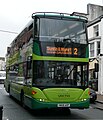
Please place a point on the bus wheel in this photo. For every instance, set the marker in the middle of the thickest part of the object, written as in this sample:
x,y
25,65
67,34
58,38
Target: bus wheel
x,y
22,99
8,89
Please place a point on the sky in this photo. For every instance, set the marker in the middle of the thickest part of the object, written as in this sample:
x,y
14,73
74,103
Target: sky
x,y
15,14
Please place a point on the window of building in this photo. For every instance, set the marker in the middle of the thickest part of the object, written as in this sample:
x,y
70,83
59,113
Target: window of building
x,y
98,47
92,49
96,31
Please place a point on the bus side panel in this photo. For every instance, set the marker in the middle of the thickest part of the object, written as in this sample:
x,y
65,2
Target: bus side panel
x,y
15,90
28,101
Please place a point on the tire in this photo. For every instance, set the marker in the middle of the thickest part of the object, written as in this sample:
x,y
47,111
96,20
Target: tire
x,y
22,99
8,89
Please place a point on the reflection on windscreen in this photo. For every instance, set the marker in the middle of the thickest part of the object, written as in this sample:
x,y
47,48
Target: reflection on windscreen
x,y
51,73
61,30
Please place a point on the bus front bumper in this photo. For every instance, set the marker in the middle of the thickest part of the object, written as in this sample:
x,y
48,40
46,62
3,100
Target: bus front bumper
x,y
35,104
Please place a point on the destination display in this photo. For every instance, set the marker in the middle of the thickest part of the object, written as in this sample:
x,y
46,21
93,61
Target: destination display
x,y
62,49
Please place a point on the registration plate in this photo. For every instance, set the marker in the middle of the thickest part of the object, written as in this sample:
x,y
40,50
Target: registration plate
x,y
63,105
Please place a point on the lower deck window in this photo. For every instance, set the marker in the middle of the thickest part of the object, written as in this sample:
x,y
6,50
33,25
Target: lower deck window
x,y
56,73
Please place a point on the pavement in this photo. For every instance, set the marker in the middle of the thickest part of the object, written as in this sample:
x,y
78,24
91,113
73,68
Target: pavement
x,y
99,98
99,102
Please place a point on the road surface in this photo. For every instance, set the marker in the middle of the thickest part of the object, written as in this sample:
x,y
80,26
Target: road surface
x,y
12,110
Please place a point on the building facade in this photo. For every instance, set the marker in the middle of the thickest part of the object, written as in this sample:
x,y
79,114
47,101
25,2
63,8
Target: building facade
x,y
95,36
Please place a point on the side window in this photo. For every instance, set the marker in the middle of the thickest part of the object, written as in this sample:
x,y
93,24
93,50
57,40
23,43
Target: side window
x,y
98,47
20,76
92,49
12,72
96,31
29,70
20,70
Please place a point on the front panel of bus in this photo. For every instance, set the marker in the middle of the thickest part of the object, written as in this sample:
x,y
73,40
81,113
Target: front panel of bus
x,y
60,61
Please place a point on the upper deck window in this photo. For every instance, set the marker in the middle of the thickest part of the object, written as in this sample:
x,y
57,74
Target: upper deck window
x,y
60,30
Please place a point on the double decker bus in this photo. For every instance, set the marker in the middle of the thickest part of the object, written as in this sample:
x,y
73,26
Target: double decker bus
x,y
50,61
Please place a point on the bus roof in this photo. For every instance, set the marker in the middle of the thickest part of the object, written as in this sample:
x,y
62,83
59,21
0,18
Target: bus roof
x,y
74,15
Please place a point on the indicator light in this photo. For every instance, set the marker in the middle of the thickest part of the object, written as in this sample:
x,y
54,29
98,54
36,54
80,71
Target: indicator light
x,y
34,92
89,92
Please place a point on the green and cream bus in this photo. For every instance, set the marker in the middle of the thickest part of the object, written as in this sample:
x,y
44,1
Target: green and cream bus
x,y
50,60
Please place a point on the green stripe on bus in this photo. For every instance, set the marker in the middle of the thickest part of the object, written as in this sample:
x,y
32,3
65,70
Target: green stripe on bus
x,y
36,57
